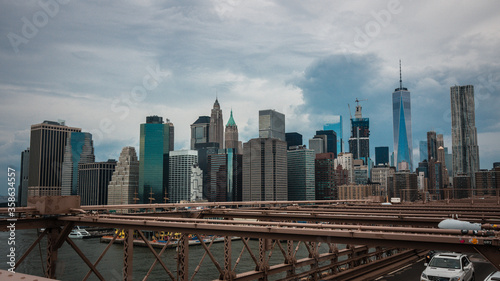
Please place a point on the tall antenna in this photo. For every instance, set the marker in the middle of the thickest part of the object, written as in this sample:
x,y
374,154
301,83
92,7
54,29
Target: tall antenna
x,y
400,79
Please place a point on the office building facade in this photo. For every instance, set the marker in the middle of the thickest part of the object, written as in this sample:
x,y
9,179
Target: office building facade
x,y
183,164
331,140
79,149
231,136
22,196
265,170
153,160
200,132
463,132
124,184
293,139
382,155
338,129
224,177
47,142
326,188
359,142
93,181
301,178
271,124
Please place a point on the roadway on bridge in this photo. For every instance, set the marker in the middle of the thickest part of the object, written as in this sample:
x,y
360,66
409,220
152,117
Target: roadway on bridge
x,y
412,273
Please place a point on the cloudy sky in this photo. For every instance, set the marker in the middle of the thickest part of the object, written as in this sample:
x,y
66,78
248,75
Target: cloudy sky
x,y
104,66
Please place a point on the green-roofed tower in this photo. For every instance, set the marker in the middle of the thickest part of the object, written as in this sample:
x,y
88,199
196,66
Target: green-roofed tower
x,y
232,135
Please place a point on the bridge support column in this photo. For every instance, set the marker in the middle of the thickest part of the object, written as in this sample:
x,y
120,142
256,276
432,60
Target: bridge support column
x,y
183,257
290,259
128,253
52,237
263,264
228,270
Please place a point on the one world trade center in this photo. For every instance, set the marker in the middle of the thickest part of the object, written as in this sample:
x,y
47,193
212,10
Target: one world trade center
x,y
401,110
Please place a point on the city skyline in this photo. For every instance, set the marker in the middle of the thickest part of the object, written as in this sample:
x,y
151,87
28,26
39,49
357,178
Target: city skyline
x,y
307,60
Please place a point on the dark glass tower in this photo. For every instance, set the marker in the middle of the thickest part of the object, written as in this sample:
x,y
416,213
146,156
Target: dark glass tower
x,y
331,140
401,113
382,155
293,139
359,142
153,160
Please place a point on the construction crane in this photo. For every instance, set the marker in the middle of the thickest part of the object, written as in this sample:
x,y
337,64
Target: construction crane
x,y
357,101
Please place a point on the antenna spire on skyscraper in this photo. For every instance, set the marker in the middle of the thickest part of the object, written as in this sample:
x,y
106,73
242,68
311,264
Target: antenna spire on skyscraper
x,y
400,79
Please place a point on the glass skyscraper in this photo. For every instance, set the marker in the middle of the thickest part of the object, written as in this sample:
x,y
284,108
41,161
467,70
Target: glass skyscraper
x,y
401,112
153,160
337,128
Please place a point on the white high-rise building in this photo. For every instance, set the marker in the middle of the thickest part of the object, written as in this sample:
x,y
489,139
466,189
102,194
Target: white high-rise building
x,y
180,175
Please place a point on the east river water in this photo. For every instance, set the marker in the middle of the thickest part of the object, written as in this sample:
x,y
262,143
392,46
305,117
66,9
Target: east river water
x,y
71,267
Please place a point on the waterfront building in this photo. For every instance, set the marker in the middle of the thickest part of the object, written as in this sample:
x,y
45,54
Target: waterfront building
x,y
93,181
271,124
356,191
183,165
216,126
463,132
401,113
124,183
47,142
153,159
382,155
79,149
337,128
301,178
265,170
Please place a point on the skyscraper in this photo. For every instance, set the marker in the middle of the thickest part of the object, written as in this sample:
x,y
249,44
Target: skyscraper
x,y
359,142
271,124
182,163
153,159
382,155
93,180
23,185
224,177
200,132
431,146
325,184
464,132
301,178
232,136
265,170
331,140
125,179
79,149
337,128
216,127
422,146
293,139
47,142
401,113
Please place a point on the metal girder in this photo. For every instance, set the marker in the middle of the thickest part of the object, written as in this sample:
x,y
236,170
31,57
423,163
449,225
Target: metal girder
x,y
128,254
183,258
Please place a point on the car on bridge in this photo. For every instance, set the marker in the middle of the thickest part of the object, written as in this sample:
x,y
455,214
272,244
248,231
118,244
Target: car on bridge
x,y
494,276
448,267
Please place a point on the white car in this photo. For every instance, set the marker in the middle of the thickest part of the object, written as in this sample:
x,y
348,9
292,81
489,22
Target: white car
x,y
494,276
449,267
